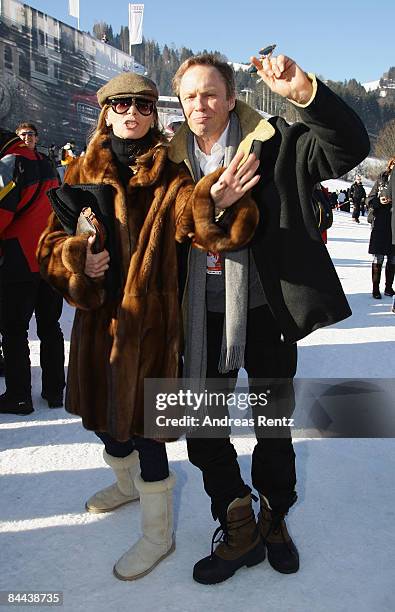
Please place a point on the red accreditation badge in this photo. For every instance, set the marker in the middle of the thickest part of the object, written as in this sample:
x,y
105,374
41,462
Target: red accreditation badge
x,y
214,263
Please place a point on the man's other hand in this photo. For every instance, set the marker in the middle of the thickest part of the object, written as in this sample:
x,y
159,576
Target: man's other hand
x,y
235,182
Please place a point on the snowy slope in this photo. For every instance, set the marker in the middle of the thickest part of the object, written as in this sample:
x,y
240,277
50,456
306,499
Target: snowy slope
x,y
343,523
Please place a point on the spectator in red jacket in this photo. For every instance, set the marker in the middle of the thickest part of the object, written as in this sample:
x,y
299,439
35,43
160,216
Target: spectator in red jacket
x,y
25,177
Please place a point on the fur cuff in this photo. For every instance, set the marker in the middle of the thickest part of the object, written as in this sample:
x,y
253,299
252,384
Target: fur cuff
x,y
241,219
74,253
122,463
159,486
84,292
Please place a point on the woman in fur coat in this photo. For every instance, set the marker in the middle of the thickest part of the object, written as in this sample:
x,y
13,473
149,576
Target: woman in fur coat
x,y
121,337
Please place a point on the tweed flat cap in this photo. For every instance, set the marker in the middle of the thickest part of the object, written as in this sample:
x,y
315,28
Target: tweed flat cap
x,y
127,84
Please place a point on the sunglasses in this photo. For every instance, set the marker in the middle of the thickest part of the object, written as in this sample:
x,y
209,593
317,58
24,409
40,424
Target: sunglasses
x,y
30,133
122,105
265,52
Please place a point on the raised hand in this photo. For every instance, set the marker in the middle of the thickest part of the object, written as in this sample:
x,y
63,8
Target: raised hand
x,y
96,263
284,77
235,182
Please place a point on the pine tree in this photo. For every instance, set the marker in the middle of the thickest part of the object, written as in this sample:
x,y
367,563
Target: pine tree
x,y
385,143
162,63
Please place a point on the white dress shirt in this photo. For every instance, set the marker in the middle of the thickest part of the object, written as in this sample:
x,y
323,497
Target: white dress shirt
x,y
213,160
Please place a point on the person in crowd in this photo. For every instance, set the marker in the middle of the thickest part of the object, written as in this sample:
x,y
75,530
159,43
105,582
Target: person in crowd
x,y
67,154
345,205
357,197
333,198
26,175
53,154
267,295
122,335
341,198
381,238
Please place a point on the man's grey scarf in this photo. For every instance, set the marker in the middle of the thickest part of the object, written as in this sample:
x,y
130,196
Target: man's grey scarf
x,y
236,290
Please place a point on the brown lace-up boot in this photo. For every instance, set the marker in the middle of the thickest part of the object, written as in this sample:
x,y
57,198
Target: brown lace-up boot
x,y
239,544
281,551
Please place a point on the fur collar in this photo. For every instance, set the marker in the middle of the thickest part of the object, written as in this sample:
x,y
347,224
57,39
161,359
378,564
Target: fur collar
x,y
98,165
253,127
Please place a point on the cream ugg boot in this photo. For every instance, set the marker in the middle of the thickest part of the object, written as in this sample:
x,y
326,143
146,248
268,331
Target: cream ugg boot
x,y
157,542
123,490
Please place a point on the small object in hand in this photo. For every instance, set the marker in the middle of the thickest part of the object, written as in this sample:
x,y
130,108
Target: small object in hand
x,y
88,223
267,51
264,53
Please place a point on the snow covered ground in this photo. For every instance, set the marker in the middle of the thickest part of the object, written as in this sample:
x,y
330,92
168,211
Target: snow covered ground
x,y
343,522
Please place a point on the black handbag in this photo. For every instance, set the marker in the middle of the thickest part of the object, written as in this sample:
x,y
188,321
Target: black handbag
x,y
90,209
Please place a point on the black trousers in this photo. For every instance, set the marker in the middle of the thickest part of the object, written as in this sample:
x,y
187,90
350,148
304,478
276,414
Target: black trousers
x,y
357,210
273,459
19,300
154,465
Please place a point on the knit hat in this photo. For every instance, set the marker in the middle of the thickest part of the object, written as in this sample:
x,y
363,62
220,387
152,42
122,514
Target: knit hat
x,y
125,85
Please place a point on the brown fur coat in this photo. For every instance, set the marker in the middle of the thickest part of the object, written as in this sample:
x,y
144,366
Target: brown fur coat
x,y
116,345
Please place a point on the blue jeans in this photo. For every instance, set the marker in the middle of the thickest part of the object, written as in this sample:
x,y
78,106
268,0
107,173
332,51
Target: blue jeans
x,y
153,457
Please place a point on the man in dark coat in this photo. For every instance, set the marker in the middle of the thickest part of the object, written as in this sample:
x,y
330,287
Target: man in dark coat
x,y
357,198
25,177
250,307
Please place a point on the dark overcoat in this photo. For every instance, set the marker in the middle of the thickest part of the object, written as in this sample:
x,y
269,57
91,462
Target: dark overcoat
x,y
381,242
300,282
